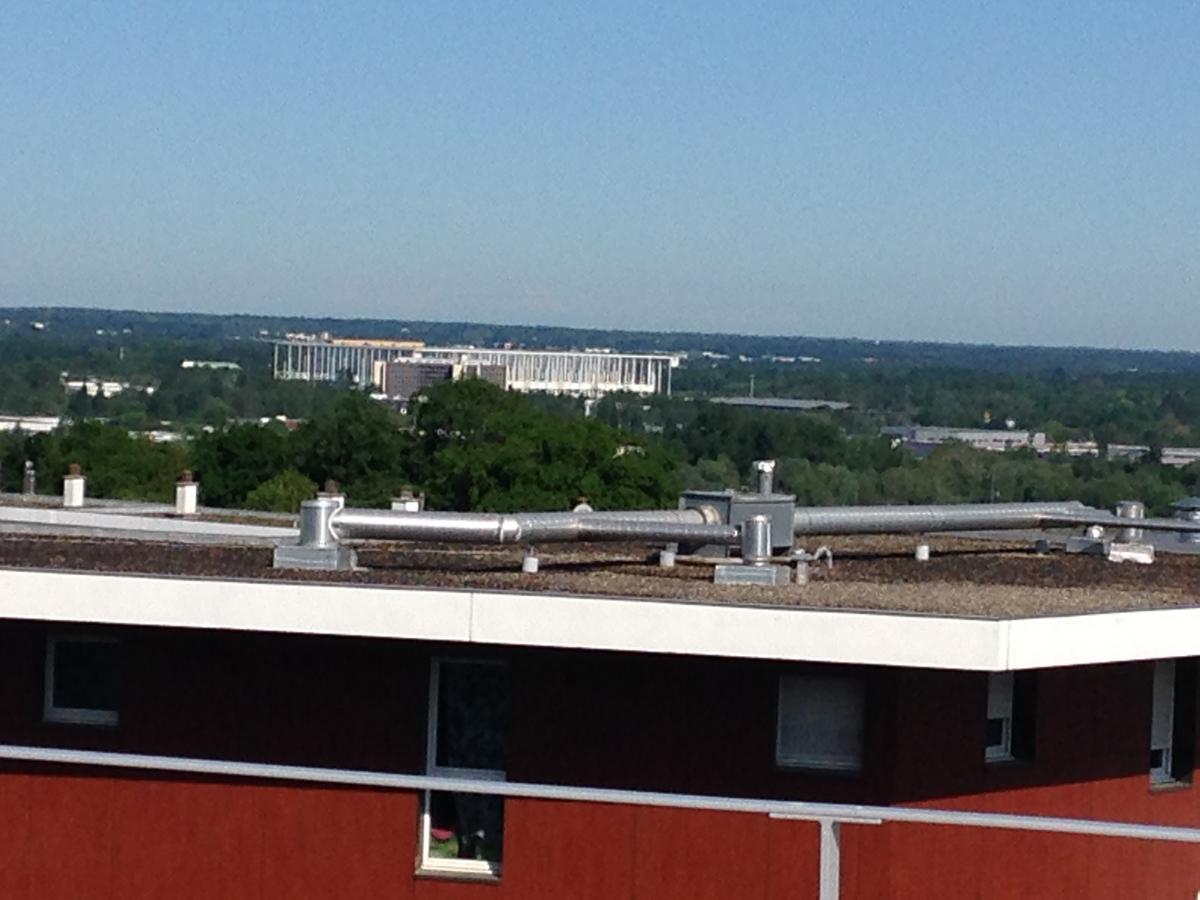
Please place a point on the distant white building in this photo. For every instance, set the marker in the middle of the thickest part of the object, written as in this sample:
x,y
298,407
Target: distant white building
x,y
925,437
219,364
572,372
102,387
29,424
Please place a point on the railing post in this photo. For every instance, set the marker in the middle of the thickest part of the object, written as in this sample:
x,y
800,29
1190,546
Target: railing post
x,y
831,860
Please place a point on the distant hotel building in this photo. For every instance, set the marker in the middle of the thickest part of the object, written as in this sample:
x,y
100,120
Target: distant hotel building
x,y
400,379
588,373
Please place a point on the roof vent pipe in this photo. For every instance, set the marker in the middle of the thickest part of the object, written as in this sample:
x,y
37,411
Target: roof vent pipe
x,y
756,541
766,475
1130,509
316,520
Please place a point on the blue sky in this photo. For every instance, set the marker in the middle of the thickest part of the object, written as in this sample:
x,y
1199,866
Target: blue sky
x,y
1003,172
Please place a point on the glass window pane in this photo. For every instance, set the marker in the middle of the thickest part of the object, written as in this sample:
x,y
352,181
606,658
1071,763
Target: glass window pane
x,y
820,722
466,826
85,675
995,732
472,716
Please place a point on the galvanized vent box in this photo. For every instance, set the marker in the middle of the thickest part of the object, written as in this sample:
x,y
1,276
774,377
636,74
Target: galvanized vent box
x,y
734,507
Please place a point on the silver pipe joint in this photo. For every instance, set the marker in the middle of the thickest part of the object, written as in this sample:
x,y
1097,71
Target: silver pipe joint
x,y
756,541
1130,509
316,523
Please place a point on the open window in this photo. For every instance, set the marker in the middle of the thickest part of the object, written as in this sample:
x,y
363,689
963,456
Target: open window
x,y
81,680
1011,716
820,723
1173,722
463,833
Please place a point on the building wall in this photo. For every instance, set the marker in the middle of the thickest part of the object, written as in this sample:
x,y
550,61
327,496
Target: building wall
x,y
606,720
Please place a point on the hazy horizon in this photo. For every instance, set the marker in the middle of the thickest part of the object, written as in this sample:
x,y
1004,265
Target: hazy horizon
x,y
1020,175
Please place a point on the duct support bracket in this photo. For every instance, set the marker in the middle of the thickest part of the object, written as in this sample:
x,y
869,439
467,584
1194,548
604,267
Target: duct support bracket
x,y
331,559
738,573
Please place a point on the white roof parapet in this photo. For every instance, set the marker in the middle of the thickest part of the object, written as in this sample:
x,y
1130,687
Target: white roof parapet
x,y
601,623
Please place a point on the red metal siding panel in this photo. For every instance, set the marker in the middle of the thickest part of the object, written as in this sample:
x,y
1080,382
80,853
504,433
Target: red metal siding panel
x,y
696,854
792,859
185,841
70,840
578,850
329,842
15,826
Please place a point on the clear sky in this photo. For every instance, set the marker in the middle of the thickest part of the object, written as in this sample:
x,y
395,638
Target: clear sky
x,y
1003,172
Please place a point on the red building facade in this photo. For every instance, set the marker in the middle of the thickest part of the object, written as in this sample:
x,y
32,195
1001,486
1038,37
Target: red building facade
x,y
588,718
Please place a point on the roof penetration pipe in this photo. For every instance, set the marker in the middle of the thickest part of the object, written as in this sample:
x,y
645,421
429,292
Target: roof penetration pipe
x,y
946,517
485,528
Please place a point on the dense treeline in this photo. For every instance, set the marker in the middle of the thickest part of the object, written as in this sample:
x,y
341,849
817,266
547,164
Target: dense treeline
x,y
823,464
469,445
1084,400
472,446
1153,409
32,372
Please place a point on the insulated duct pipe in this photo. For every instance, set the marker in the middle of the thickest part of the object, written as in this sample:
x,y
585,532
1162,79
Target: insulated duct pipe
x,y
945,517
687,526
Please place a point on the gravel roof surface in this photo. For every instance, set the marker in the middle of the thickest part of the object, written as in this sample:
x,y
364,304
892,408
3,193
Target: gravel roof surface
x,y
963,577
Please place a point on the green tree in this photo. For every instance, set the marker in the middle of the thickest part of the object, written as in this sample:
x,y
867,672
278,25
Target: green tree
x,y
482,448
233,461
282,493
360,445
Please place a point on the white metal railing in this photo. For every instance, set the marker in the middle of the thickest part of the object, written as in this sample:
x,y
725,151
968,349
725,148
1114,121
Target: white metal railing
x,y
830,816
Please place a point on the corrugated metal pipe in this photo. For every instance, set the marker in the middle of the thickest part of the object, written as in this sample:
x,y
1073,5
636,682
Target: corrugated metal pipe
x,y
684,526
945,517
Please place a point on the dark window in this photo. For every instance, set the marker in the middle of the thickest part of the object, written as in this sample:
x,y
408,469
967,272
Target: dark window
x,y
1011,716
1183,744
1173,721
464,832
81,680
471,716
820,722
1024,726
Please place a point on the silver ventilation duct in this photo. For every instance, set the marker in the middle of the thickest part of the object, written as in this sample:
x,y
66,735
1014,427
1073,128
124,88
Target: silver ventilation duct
x,y
486,528
946,517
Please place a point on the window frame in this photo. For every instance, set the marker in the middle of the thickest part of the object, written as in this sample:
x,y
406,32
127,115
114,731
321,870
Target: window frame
x,y
53,714
1012,698
811,762
1173,722
428,864
1000,704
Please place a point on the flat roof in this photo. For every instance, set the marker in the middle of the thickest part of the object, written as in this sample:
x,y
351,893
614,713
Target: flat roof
x,y
967,577
976,604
